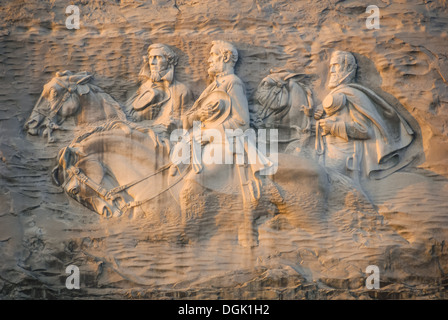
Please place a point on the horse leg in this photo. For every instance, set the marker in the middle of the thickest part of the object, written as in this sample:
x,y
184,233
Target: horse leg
x,y
247,228
303,206
198,209
89,197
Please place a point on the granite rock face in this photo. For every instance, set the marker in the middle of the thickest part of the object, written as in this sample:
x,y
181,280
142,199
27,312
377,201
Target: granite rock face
x,y
314,241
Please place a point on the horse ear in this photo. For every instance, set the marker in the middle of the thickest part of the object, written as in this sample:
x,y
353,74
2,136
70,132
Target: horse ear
x,y
292,75
81,85
84,79
80,79
278,70
63,73
55,176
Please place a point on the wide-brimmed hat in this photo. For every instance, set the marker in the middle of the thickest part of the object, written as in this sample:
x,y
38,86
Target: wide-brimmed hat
x,y
333,102
223,102
149,97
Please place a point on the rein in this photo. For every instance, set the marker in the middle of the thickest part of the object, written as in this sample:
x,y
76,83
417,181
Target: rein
x,y
50,117
59,103
118,189
112,196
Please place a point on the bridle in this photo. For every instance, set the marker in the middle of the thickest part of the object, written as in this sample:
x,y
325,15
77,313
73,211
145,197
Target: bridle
x,y
50,117
113,197
58,105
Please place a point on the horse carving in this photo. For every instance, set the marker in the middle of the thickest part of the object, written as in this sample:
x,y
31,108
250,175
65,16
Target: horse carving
x,y
71,95
112,157
123,169
282,101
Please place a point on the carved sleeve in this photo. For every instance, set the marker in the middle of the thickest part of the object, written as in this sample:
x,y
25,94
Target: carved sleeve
x,y
239,118
358,128
186,102
339,129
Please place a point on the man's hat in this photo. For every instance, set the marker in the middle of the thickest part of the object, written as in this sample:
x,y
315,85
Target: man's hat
x,y
220,101
150,97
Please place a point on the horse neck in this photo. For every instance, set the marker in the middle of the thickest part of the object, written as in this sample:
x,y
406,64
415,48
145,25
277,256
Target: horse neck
x,y
298,94
92,109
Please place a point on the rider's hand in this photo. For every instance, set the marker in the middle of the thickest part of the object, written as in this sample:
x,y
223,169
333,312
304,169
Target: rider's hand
x,y
319,112
308,111
326,125
208,111
203,114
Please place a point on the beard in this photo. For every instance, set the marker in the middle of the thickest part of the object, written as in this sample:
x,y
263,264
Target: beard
x,y
156,74
334,81
214,69
339,78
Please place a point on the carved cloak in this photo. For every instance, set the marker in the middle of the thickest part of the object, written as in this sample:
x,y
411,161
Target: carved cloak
x,y
383,153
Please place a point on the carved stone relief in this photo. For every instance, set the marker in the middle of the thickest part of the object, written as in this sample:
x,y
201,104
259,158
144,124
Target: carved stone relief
x,y
197,169
71,95
121,167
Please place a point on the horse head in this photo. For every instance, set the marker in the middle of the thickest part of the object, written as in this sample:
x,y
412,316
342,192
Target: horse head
x,y
62,174
59,100
281,95
80,176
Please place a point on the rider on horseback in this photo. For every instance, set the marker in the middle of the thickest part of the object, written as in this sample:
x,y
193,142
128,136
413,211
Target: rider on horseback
x,y
223,113
161,98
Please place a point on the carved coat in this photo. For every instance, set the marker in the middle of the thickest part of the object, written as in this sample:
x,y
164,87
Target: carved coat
x,y
164,101
230,111
236,115
368,134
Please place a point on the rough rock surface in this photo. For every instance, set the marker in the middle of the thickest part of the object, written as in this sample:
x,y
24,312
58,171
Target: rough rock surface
x,y
42,230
